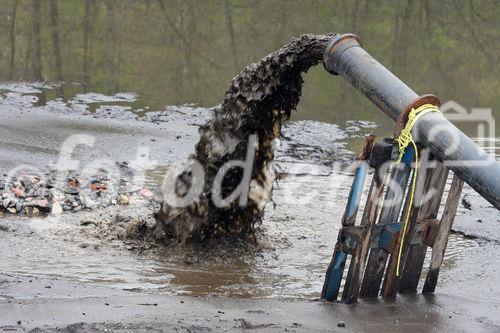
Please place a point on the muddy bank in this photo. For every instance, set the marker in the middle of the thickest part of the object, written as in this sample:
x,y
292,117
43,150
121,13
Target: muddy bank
x,y
34,136
83,274
478,219
54,305
79,277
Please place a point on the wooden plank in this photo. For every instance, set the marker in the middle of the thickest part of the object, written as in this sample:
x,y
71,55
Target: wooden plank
x,y
383,236
389,287
355,193
443,233
377,260
388,237
335,270
431,230
415,255
391,280
333,278
390,283
349,238
355,274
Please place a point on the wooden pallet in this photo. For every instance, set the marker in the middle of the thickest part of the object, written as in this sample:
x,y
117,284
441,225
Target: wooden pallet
x,y
373,244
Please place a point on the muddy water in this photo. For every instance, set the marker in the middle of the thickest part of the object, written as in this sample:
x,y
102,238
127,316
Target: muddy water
x,y
295,246
296,237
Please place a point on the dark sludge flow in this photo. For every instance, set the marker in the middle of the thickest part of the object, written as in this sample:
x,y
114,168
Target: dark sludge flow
x,y
243,128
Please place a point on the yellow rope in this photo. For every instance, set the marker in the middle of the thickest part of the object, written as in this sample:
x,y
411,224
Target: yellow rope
x,y
404,140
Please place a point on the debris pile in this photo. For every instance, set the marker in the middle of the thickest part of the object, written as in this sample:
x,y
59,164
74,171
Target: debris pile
x,y
49,193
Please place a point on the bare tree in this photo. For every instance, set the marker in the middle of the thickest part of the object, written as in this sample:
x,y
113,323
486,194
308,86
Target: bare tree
x,y
36,55
111,54
183,39
402,28
13,40
56,47
355,18
186,21
230,30
29,51
86,48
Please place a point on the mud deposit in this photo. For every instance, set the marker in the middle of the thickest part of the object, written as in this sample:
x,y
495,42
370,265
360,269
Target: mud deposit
x,y
244,126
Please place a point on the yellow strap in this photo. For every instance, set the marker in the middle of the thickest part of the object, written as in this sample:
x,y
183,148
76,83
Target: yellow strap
x,y
404,140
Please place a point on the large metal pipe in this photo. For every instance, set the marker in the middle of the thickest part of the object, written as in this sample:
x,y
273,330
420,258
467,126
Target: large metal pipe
x,y
345,56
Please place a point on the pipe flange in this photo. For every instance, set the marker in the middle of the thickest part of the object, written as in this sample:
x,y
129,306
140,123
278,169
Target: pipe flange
x,y
337,42
416,103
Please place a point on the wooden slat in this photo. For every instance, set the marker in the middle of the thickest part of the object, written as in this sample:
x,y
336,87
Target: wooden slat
x,y
336,267
443,233
355,274
390,284
377,259
415,255
384,236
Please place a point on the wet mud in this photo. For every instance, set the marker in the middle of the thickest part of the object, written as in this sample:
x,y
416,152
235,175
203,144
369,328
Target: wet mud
x,y
103,309
258,100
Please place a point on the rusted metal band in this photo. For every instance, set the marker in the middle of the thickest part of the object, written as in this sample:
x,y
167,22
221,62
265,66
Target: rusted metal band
x,y
367,148
416,103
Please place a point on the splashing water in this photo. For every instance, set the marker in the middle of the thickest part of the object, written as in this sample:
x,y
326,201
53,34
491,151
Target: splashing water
x,y
243,128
